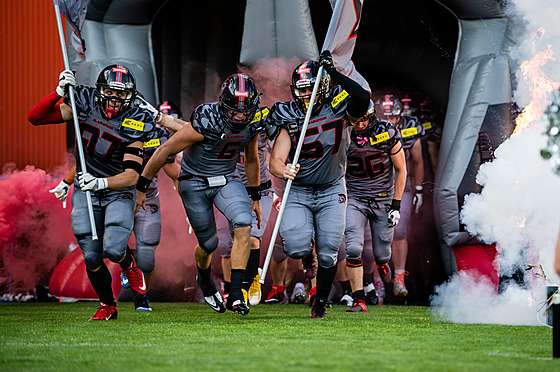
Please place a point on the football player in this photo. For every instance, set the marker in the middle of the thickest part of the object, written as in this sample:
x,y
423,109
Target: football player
x,y
390,108
316,205
375,179
212,143
113,131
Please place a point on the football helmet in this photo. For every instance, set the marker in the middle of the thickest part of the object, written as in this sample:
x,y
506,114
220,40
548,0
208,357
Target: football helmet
x,y
361,136
169,108
304,76
238,95
407,105
116,78
388,105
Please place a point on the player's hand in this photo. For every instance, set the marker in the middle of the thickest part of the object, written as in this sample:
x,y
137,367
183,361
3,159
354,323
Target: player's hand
x,y
140,201
65,79
290,171
88,182
148,106
418,199
393,217
61,192
257,208
326,60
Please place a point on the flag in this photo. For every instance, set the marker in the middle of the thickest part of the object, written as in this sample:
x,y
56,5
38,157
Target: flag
x,y
75,12
341,37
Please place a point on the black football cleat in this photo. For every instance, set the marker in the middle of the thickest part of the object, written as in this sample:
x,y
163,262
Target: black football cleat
x,y
214,300
237,306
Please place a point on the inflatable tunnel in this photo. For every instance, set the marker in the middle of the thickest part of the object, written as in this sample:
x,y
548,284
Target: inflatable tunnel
x,y
454,51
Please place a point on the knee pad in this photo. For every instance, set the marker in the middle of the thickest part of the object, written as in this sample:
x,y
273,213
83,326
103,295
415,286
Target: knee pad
x,y
326,260
146,258
92,260
354,262
209,244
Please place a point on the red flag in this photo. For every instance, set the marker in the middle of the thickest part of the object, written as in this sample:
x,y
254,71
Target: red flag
x,y
341,37
75,12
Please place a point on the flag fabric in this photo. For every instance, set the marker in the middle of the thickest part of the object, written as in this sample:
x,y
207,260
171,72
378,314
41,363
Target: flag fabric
x,y
341,37
75,13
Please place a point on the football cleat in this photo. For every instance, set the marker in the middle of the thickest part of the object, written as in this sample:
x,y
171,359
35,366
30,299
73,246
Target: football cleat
x,y
215,300
237,307
399,288
346,300
141,303
318,308
385,272
255,292
135,278
124,281
309,264
380,289
298,295
276,295
359,305
371,295
105,312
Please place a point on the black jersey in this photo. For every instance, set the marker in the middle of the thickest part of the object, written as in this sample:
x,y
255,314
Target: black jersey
x,y
104,140
323,155
411,131
218,153
370,170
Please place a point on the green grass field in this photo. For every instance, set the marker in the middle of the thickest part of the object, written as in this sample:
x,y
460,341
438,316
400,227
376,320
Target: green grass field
x,y
190,336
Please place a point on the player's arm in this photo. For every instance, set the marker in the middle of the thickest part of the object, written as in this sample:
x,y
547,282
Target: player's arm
x,y
172,171
433,151
172,123
62,189
417,165
252,170
184,138
48,110
280,151
399,163
132,163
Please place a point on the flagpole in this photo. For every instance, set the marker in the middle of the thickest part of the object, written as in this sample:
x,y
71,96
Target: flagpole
x,y
75,117
289,182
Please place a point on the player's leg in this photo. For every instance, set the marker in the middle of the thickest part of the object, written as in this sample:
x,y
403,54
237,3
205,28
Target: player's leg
x,y
233,202
278,268
225,240
400,246
356,222
368,263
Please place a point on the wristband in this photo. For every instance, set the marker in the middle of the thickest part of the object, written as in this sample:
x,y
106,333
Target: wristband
x,y
143,184
255,192
419,188
396,205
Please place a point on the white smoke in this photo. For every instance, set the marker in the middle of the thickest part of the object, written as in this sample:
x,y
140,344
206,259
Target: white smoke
x,y
519,206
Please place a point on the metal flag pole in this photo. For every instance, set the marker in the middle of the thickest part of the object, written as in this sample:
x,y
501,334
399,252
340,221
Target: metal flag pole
x,y
289,182
76,125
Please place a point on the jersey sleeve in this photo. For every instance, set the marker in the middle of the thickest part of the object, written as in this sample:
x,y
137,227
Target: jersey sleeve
x,y
83,96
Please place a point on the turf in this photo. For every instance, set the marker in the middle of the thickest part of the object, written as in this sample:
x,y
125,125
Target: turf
x,y
190,336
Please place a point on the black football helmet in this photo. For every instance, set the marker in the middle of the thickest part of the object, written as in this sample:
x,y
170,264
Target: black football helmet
x,y
118,78
304,76
238,95
360,137
388,105
407,105
169,108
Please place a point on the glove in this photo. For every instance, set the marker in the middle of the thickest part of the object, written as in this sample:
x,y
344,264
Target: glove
x,y
88,182
65,79
61,192
418,199
326,60
143,104
393,217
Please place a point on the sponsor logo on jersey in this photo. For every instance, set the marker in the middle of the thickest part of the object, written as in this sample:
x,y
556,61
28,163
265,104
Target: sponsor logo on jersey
x,y
152,143
260,115
133,124
427,125
341,198
379,138
339,98
409,132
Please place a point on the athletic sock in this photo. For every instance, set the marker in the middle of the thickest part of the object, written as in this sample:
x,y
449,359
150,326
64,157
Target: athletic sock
x,y
368,279
127,260
236,279
325,279
101,282
227,287
346,287
359,295
205,279
252,268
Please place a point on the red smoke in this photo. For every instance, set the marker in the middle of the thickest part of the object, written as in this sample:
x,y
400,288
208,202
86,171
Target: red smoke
x,y
35,231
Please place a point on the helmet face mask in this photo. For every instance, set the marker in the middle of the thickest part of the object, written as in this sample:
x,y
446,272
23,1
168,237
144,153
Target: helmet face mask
x,y
303,82
361,136
239,101
115,90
